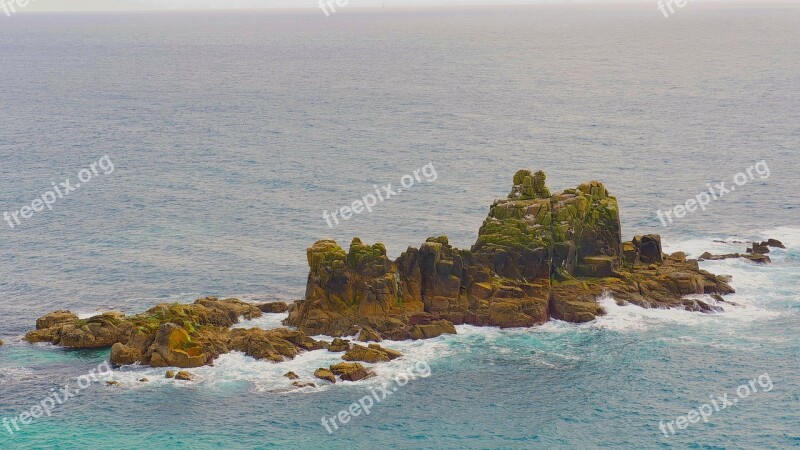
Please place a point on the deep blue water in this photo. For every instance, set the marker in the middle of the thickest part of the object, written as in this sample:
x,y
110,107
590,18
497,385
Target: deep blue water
x,y
231,133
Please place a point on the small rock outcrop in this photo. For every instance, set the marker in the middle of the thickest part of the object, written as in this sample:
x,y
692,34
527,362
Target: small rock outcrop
x,y
174,335
757,258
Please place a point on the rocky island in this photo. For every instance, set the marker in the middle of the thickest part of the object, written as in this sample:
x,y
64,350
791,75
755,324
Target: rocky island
x,y
538,256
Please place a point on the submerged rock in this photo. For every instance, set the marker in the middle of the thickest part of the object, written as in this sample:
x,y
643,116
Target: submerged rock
x,y
754,257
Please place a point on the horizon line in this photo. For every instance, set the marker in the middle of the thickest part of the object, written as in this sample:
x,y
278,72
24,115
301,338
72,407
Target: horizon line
x,y
477,4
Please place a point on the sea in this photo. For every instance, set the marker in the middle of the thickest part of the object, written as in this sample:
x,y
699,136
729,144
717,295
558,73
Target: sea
x,y
231,134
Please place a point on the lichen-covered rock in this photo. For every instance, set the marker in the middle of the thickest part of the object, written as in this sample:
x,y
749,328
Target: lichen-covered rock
x,y
345,287
372,354
173,347
538,256
121,355
55,318
174,335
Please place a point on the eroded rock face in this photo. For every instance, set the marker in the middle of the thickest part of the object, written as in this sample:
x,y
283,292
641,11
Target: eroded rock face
x,y
538,256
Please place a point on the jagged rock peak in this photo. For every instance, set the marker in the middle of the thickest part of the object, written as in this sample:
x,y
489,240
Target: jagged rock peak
x,y
529,185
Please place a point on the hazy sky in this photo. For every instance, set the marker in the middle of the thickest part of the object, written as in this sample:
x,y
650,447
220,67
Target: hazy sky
x,y
102,5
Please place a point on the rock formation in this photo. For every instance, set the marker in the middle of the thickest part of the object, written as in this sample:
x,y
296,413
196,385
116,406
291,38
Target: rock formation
x,y
539,256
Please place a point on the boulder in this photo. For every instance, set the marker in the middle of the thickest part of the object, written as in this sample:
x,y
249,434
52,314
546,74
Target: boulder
x,y
184,376
325,374
368,334
649,248
339,345
434,329
291,375
774,243
122,355
349,371
392,354
760,249
170,374
55,318
274,307
271,345
173,347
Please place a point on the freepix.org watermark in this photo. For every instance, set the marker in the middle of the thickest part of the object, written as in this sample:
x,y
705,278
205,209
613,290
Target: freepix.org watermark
x,y
367,202
57,396
715,192
665,5
10,6
325,4
706,410
60,190
420,369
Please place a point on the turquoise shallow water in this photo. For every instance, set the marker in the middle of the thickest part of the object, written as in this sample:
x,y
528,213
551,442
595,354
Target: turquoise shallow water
x,y
231,133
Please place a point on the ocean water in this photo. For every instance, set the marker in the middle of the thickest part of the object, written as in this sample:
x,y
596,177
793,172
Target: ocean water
x,y
231,133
